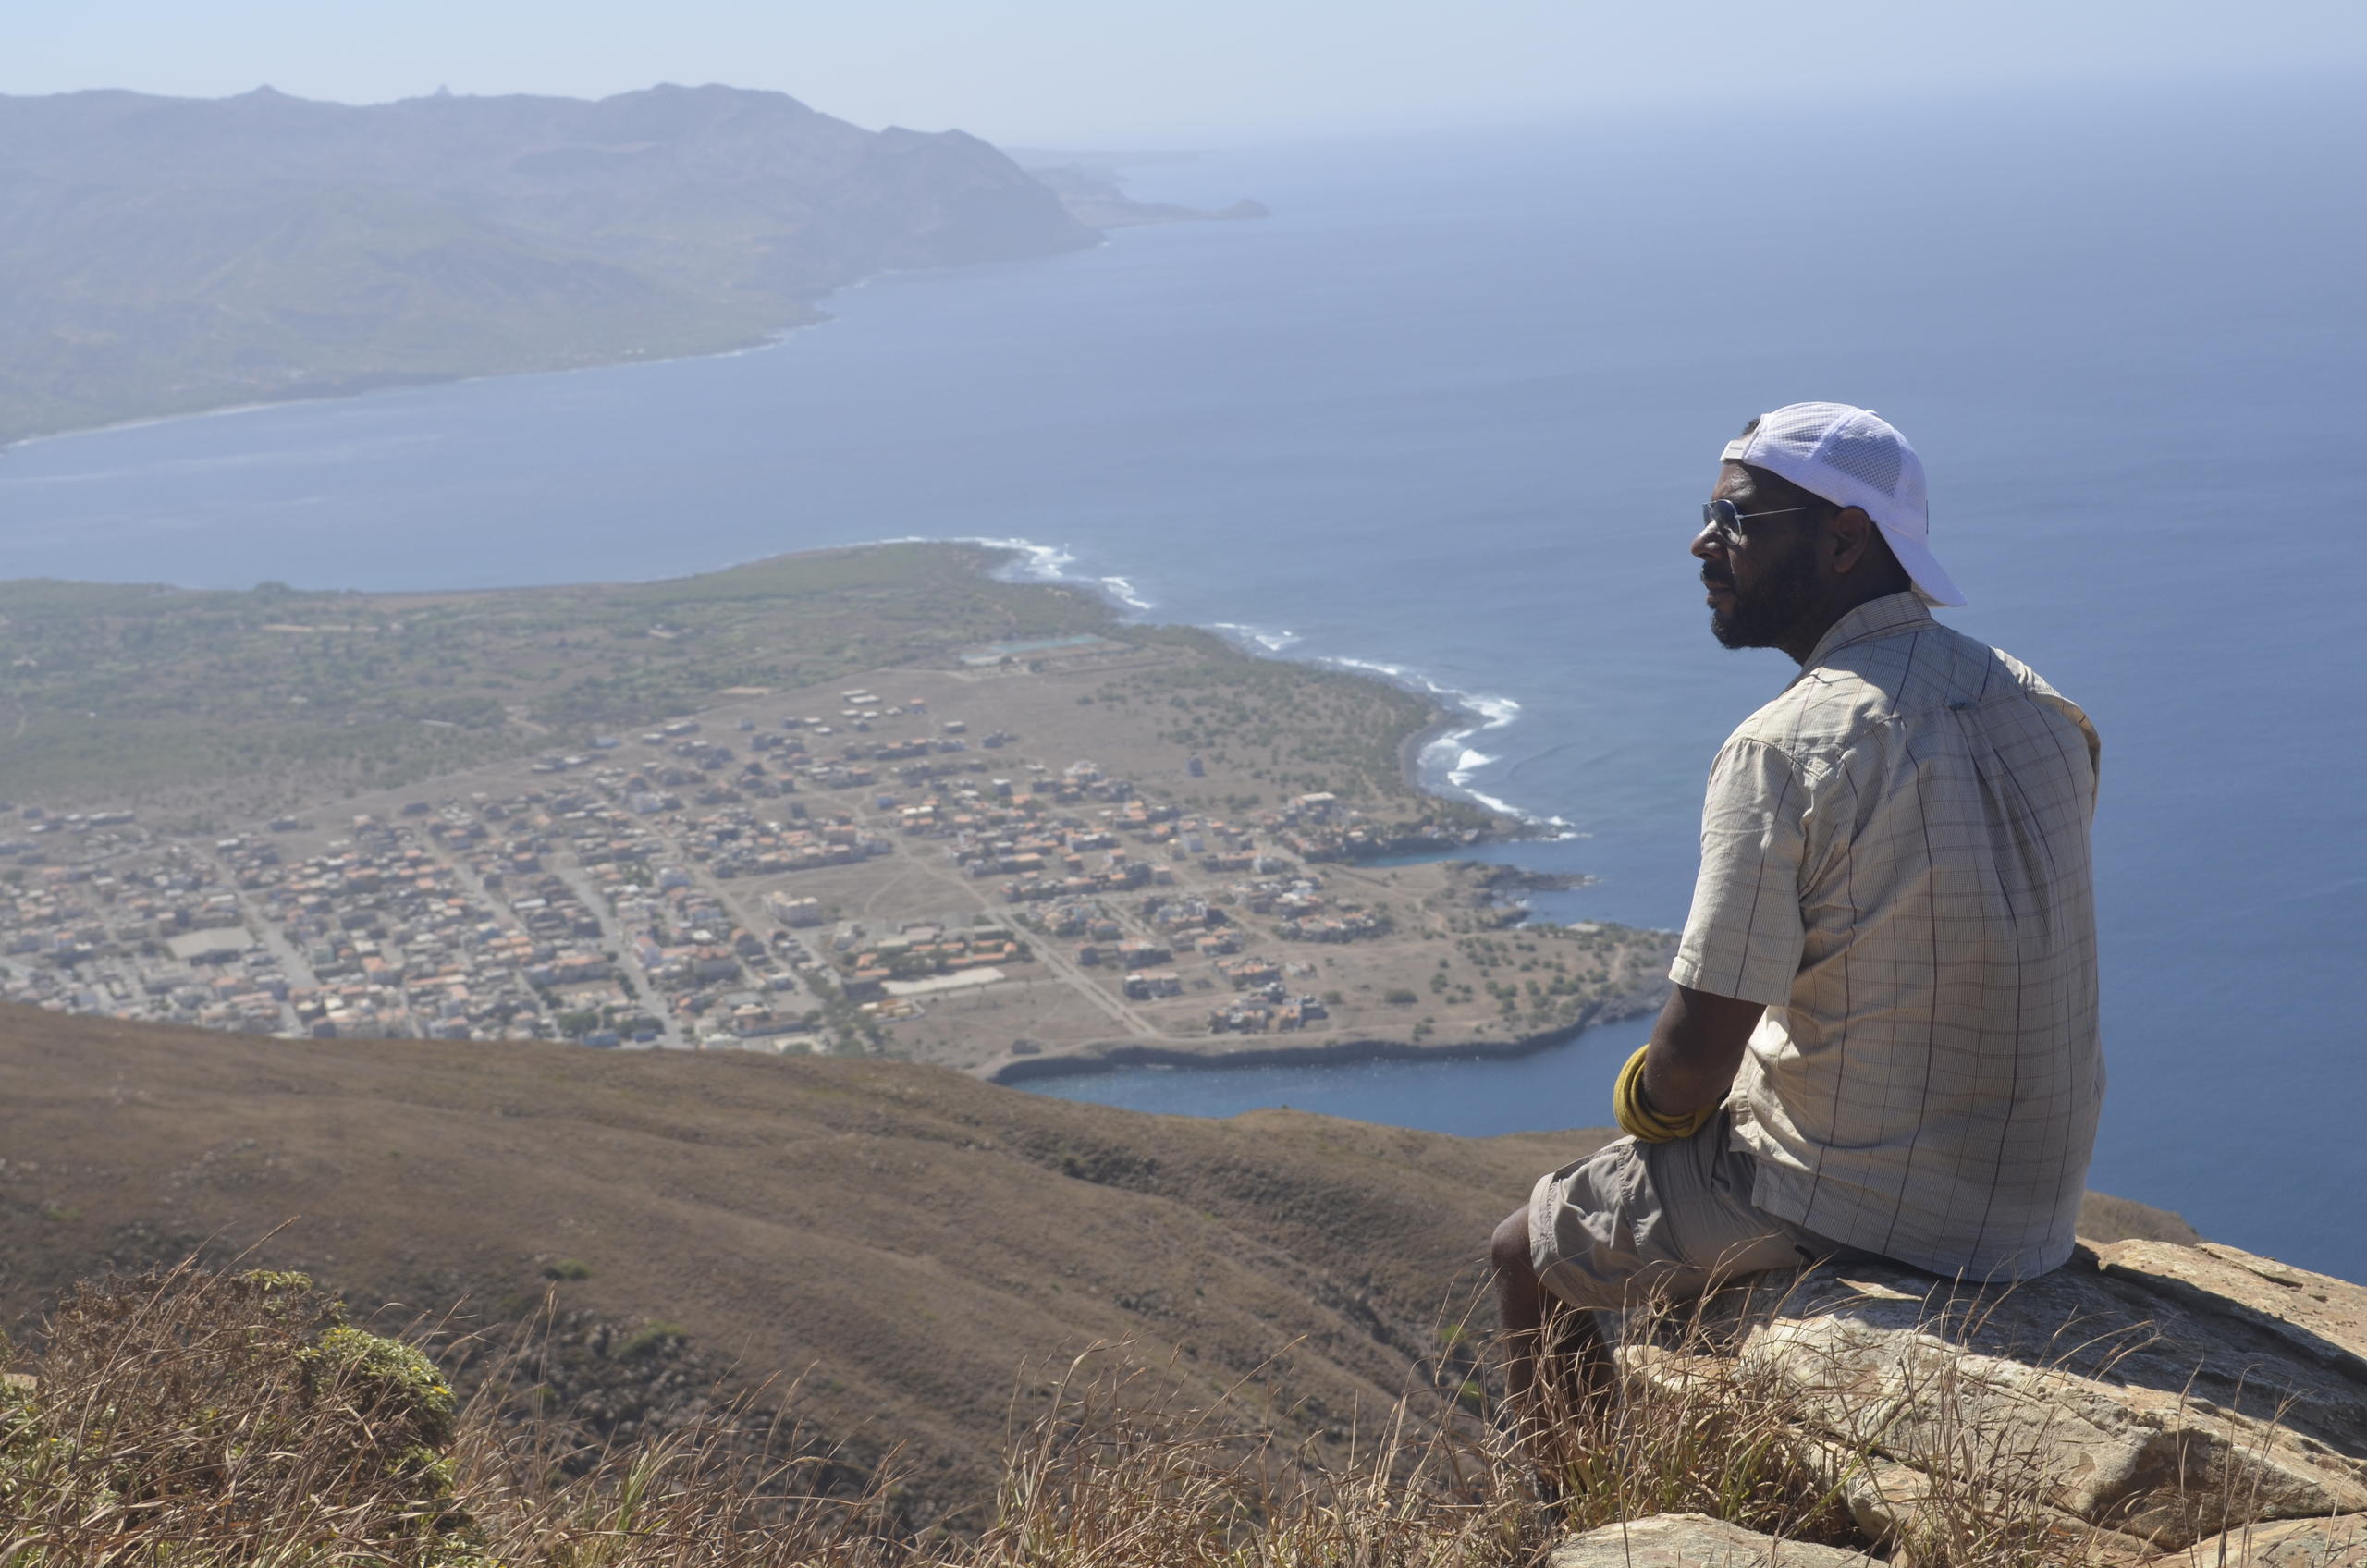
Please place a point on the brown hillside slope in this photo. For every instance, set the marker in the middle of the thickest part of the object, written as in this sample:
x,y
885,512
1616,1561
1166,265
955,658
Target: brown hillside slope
x,y
909,1234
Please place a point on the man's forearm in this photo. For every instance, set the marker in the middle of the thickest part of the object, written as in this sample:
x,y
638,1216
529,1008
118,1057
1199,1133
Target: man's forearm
x,y
1697,1047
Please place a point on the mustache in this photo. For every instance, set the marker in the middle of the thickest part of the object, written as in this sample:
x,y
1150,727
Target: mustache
x,y
1715,579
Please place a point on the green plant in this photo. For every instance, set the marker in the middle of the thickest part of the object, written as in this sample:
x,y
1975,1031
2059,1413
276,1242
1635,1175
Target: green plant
x,y
181,1407
649,1340
394,1382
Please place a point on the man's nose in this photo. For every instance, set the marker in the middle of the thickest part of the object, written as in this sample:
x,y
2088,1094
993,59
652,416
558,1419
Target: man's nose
x,y
1707,544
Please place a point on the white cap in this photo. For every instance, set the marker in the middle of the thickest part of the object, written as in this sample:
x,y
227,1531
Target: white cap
x,y
1853,456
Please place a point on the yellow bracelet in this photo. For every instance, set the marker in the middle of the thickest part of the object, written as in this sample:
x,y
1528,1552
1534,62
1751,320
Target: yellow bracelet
x,y
1637,1116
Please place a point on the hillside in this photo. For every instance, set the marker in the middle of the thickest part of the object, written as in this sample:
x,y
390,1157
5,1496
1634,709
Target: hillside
x,y
919,1243
165,255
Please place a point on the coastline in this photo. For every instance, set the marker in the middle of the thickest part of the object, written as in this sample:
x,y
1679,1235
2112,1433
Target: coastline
x,y
349,391
811,314
1458,714
1116,1055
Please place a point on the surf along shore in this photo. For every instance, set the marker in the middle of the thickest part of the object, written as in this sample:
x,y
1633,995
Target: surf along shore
x,y
879,800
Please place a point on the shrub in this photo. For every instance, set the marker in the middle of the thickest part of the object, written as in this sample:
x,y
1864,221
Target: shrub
x,y
186,1407
649,1340
394,1385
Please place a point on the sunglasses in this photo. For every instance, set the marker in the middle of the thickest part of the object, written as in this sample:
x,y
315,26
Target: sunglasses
x,y
1722,519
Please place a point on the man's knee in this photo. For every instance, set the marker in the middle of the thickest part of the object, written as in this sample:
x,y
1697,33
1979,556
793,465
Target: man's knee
x,y
1508,1249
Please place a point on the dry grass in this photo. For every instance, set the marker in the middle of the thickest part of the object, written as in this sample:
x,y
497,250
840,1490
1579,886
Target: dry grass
x,y
1701,1430
1691,1431
197,1419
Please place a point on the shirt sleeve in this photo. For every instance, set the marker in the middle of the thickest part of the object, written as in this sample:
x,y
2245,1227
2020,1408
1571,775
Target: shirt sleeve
x,y
1744,938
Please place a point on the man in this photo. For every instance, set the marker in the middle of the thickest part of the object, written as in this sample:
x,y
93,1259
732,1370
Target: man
x,y
1883,1037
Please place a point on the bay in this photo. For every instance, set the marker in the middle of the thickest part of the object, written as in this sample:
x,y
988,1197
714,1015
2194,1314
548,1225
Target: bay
x,y
1448,413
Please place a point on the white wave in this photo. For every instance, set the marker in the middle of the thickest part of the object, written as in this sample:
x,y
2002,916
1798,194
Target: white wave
x,y
1394,671
1123,592
1492,711
1051,563
1508,809
1040,563
1272,642
1037,563
1496,711
1469,763
1446,757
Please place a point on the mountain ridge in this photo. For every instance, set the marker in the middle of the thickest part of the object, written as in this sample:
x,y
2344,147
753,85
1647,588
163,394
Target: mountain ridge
x,y
168,255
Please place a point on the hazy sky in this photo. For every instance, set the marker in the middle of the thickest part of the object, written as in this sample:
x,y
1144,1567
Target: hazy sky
x,y
1138,70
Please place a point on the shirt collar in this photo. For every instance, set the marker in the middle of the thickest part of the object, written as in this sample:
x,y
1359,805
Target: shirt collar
x,y
1891,614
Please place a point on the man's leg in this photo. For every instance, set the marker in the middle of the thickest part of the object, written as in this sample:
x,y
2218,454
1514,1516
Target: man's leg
x,y
1548,1343
1609,1224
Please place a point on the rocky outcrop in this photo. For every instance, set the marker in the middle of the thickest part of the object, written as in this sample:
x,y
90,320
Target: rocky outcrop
x,y
2141,1400
1693,1540
2296,1543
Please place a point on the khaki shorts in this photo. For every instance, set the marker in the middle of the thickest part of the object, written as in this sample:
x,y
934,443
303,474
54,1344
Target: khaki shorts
x,y
1635,1220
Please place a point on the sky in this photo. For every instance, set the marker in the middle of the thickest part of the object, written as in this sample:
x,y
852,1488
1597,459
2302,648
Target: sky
x,y
1144,72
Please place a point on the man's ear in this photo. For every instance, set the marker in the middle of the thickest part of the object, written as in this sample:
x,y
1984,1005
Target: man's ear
x,y
1849,538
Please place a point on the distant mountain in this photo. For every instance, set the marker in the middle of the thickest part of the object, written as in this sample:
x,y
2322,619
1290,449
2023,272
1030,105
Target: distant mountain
x,y
1095,194
163,255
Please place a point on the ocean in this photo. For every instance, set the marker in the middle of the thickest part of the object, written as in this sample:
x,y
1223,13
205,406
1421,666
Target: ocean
x,y
1448,416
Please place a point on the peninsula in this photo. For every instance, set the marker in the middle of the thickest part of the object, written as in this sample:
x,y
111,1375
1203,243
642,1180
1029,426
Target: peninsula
x,y
873,802
165,256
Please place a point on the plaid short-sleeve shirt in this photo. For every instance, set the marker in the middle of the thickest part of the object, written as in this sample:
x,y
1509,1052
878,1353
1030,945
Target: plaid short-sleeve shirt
x,y
1894,861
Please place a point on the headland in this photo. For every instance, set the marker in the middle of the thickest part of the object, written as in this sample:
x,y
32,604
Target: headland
x,y
874,802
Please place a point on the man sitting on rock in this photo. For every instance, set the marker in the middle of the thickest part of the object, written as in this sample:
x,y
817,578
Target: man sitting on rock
x,y
1883,1038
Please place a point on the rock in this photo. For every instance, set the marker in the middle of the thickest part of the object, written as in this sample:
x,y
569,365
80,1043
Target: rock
x,y
2298,1543
2323,1318
1895,1503
1693,1540
2159,1393
2104,1217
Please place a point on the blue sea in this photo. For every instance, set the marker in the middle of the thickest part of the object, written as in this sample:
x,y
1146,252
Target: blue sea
x,y
1448,415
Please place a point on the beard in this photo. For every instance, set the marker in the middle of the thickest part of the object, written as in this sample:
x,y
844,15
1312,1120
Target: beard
x,y
1759,618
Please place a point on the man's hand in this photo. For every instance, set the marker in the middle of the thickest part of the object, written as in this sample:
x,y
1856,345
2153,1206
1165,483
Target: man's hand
x,y
1697,1045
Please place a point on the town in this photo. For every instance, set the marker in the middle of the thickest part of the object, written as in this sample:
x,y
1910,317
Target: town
x,y
883,875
